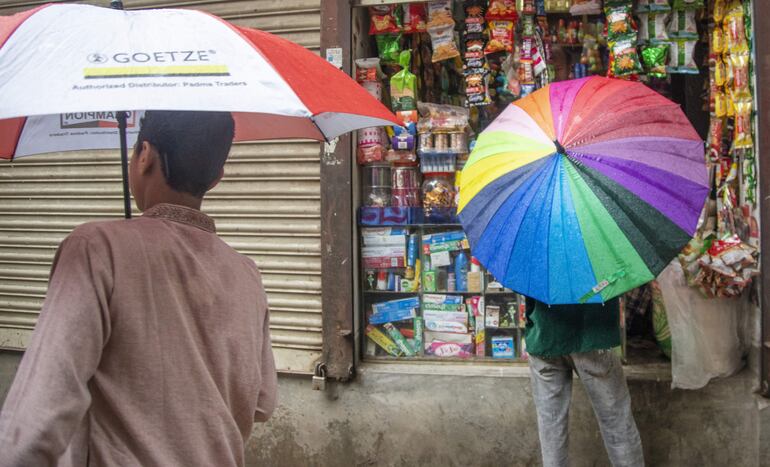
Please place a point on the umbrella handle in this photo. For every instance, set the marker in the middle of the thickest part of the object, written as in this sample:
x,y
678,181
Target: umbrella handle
x,y
121,117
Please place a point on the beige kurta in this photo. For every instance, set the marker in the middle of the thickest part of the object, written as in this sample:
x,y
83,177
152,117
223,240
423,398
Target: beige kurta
x,y
152,349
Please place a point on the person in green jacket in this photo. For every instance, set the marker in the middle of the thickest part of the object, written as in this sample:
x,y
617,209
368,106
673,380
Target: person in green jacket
x,y
566,338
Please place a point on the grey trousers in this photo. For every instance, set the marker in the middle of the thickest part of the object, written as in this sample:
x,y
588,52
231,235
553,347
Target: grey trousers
x,y
602,375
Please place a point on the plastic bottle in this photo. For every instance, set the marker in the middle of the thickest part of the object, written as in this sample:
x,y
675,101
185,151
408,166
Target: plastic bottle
x,y
461,272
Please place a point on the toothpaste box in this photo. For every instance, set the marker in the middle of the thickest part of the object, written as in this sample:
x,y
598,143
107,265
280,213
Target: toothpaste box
x,y
440,344
392,316
382,257
502,347
393,305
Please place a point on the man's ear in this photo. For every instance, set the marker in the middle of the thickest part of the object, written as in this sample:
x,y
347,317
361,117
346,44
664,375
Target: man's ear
x,y
148,157
218,179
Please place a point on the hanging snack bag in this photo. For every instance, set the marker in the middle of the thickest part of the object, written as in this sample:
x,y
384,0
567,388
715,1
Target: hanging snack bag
x,y
443,41
683,25
735,29
720,72
681,57
474,55
742,138
652,27
477,88
440,13
500,37
474,17
368,69
720,9
383,20
718,42
688,4
654,58
741,90
403,85
415,18
528,7
502,9
720,104
620,24
625,59
388,47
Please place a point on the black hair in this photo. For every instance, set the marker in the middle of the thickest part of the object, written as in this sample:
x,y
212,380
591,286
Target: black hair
x,y
193,146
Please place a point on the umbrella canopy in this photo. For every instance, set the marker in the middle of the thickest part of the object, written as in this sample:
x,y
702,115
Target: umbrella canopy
x,y
66,66
583,190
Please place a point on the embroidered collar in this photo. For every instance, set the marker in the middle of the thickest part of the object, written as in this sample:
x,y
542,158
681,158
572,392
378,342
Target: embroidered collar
x,y
182,214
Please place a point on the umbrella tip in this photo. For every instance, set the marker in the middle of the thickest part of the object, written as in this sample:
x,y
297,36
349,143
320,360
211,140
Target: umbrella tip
x,y
559,148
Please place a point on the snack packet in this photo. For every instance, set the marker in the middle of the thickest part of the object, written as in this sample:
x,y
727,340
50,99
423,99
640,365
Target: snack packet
x,y
719,11
656,27
620,23
388,47
742,138
735,29
440,13
720,104
403,85
681,58
528,7
654,59
368,69
688,4
474,17
720,72
683,25
624,59
718,42
502,9
477,88
383,20
716,138
741,89
415,18
443,41
474,55
500,37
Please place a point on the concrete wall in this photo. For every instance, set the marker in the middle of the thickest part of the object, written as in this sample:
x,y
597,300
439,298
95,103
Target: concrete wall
x,y
402,415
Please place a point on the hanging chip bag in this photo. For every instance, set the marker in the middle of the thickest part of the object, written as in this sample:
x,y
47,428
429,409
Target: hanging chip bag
x,y
388,47
383,20
440,13
502,9
500,37
619,23
654,58
403,85
735,29
683,25
415,18
743,138
625,59
443,41
681,57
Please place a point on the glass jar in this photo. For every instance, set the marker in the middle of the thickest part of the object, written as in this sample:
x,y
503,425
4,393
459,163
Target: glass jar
x,y
438,193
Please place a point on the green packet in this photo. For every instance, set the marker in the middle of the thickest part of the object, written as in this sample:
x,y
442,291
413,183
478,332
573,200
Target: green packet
x,y
403,85
388,47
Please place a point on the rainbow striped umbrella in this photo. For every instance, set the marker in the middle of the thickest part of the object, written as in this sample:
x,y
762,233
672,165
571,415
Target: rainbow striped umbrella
x,y
583,190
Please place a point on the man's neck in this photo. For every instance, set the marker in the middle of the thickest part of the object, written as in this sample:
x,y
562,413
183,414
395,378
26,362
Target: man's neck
x,y
174,197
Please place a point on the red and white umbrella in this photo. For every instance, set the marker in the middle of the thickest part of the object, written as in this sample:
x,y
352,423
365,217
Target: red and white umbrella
x,y
65,69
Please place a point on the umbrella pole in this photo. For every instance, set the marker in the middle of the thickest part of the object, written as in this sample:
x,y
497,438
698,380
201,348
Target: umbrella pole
x,y
121,116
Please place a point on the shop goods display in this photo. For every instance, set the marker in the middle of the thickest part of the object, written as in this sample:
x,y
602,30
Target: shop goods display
x,y
577,176
478,140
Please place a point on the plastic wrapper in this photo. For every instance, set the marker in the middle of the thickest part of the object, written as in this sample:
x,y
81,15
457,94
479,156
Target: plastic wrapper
x,y
716,138
397,156
720,104
652,27
477,88
528,26
415,18
688,4
383,19
502,9
743,130
585,7
624,59
441,118
474,56
500,36
654,58
718,42
683,25
741,86
719,11
438,192
388,47
440,13
682,58
474,17
369,137
443,41
403,85
735,29
620,24
528,7
370,155
704,332
368,69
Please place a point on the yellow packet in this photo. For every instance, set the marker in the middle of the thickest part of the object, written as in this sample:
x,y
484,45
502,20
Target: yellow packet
x,y
742,138
720,72
735,29
720,104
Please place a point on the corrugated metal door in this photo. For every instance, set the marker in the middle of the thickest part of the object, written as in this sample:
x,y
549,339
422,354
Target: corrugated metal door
x,y
268,205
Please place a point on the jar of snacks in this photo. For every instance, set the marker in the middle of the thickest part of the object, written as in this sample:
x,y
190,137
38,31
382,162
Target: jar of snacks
x,y
438,193
406,186
377,185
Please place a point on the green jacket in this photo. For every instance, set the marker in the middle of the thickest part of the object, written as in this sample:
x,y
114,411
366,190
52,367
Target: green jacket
x,y
557,330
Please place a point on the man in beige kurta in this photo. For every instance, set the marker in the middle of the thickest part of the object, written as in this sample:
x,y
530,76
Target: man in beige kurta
x,y
152,347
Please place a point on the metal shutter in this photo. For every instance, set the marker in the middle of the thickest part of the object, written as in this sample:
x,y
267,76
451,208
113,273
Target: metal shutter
x,y
267,206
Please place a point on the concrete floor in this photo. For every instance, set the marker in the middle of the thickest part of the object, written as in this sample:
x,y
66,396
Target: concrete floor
x,y
394,415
